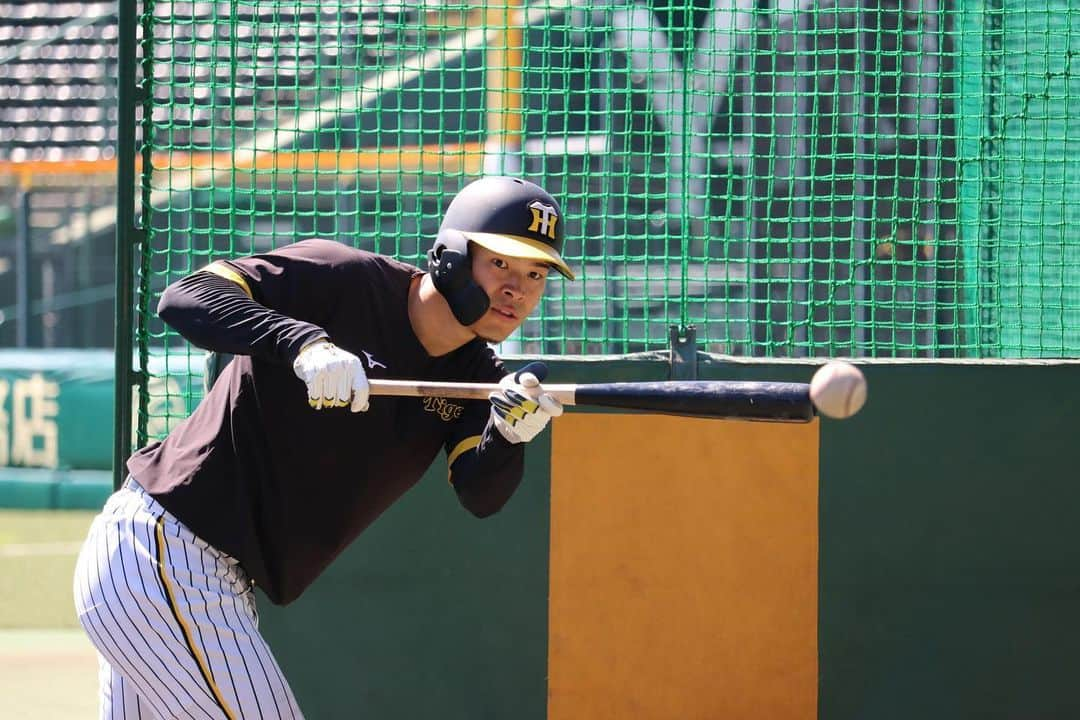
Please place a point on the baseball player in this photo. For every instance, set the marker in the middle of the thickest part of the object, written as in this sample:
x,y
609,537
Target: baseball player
x,y
285,461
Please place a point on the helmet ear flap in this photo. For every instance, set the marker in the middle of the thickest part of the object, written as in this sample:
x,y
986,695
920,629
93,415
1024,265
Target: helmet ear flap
x,y
449,261
451,270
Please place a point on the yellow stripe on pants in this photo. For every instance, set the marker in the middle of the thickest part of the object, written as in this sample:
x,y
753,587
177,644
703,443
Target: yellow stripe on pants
x,y
204,668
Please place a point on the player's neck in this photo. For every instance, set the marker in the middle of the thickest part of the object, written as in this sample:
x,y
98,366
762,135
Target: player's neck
x,y
433,321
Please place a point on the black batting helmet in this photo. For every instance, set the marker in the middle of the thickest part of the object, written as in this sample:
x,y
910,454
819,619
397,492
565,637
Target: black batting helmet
x,y
506,215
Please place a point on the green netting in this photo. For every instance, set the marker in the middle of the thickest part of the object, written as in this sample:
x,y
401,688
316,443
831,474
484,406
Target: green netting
x,y
887,179
1021,186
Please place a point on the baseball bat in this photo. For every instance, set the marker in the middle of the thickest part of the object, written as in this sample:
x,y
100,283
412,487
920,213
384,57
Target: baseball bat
x,y
731,399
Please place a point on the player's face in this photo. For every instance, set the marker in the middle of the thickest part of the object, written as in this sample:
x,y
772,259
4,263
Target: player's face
x,y
513,285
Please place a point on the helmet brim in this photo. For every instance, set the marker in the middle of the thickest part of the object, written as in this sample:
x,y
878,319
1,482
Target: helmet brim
x,y
516,246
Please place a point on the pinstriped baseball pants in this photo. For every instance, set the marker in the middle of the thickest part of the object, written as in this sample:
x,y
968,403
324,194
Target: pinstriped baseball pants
x,y
173,620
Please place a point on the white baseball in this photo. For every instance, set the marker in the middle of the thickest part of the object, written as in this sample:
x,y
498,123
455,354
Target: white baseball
x,y
838,389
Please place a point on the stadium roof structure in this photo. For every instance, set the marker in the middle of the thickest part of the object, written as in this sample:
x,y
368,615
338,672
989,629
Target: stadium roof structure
x,y
58,65
277,111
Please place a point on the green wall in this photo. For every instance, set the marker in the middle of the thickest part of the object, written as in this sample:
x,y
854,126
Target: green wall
x,y
74,405
948,565
949,556
949,547
432,613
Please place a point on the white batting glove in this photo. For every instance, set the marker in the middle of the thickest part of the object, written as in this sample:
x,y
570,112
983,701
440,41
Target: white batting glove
x,y
334,377
521,409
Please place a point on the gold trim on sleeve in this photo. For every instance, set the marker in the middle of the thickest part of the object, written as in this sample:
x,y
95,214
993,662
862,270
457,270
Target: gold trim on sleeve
x,y
462,447
228,273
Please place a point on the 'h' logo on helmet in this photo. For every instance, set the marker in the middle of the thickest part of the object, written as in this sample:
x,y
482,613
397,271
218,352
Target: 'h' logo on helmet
x,y
544,218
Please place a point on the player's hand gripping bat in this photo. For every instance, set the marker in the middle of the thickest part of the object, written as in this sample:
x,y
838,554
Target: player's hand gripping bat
x,y
741,400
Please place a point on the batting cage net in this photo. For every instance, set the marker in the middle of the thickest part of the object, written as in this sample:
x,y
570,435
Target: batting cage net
x,y
791,178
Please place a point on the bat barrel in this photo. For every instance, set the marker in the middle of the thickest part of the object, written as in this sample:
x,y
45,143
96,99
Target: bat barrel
x,y
745,400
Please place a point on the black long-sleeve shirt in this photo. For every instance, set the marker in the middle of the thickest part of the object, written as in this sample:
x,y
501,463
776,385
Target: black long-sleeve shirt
x,y
283,488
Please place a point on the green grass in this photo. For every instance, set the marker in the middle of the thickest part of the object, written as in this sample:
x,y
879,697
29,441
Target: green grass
x,y
48,668
37,559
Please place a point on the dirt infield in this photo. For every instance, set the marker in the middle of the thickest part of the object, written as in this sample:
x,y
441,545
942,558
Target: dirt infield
x,y
47,674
